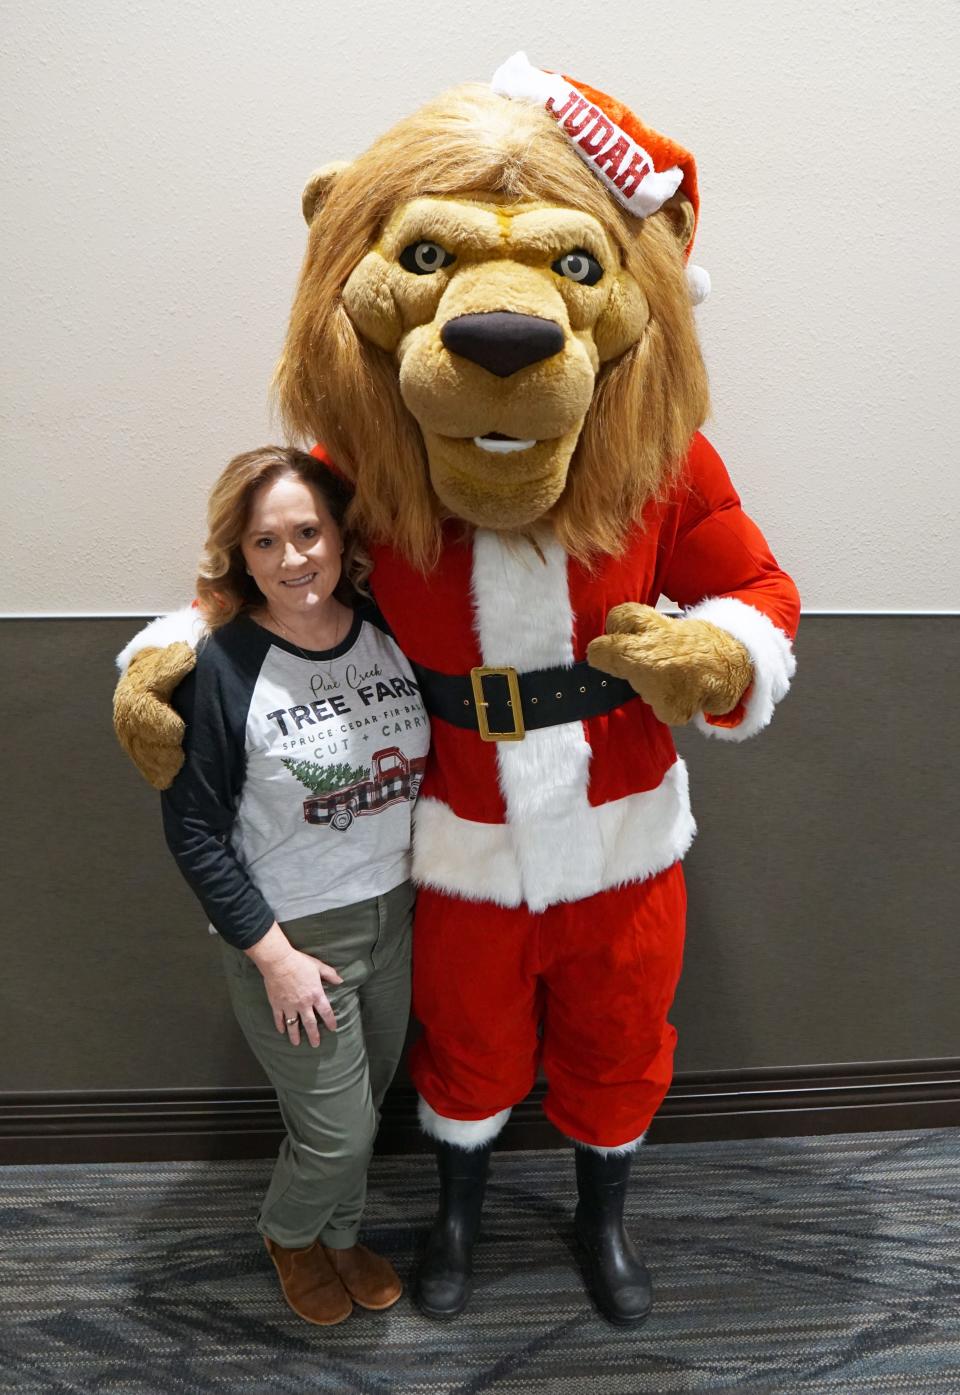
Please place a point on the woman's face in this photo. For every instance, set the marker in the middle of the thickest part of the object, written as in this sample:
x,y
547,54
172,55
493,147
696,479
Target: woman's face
x,y
292,548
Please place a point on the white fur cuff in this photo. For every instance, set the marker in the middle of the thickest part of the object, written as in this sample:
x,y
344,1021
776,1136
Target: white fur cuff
x,y
187,624
770,652
464,1133
630,1147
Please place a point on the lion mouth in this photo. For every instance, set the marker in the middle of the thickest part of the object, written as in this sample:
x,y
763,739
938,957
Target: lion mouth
x,y
498,444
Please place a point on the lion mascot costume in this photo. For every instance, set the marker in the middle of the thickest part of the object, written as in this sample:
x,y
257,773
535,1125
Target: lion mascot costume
x,y
493,339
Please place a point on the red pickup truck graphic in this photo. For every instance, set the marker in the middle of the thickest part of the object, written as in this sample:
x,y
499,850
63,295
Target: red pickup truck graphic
x,y
393,778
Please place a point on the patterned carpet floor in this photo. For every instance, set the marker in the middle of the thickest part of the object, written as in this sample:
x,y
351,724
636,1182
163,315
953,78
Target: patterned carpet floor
x,y
821,1264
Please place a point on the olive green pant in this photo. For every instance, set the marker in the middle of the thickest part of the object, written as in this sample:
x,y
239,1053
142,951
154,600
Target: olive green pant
x,y
330,1095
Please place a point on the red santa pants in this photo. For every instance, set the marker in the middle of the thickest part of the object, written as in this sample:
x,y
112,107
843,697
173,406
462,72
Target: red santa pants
x,y
582,988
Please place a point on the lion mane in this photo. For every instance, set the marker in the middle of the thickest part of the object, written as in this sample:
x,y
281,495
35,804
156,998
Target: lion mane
x,y
336,387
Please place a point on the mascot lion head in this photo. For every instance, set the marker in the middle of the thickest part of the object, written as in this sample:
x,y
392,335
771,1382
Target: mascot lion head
x,y
482,332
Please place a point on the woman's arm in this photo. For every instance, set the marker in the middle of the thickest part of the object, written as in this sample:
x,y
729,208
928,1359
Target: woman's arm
x,y
200,806
198,812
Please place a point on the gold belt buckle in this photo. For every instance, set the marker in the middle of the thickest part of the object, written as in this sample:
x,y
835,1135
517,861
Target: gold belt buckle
x,y
477,675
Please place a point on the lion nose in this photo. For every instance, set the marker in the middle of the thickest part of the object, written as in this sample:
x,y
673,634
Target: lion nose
x,y
502,341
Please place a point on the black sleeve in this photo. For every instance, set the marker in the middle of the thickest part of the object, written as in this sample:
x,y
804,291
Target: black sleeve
x,y
368,609
200,806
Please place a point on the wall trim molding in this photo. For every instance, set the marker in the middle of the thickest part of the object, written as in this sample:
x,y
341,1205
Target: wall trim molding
x,y
152,614
78,1126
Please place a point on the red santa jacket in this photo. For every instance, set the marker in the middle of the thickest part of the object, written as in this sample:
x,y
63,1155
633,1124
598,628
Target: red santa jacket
x,y
577,808
584,806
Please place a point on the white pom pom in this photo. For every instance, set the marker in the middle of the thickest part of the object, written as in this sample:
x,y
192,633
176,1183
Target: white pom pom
x,y
698,284
518,78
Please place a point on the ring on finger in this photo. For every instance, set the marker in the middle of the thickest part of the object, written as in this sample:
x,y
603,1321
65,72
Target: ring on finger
x,y
291,1021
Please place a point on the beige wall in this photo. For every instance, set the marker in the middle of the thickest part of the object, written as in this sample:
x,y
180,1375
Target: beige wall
x,y
152,238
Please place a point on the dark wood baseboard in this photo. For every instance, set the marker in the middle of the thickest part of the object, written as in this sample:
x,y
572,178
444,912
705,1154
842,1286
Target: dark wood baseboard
x,y
155,1125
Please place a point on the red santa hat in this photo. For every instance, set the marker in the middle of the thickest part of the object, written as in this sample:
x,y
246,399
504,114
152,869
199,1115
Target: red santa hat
x,y
640,167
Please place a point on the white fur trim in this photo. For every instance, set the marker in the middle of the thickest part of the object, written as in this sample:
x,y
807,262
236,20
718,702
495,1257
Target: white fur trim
x,y
556,846
517,78
476,861
770,652
524,618
651,193
187,624
621,1148
464,1133
698,284
522,601
626,840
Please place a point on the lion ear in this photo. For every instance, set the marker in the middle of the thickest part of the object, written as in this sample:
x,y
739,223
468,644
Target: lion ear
x,y
682,222
318,187
679,213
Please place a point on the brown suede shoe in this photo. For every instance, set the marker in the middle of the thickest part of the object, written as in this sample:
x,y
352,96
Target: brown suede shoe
x,y
309,1283
369,1279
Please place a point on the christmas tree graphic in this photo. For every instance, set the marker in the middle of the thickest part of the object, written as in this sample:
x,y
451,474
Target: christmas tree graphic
x,y
323,779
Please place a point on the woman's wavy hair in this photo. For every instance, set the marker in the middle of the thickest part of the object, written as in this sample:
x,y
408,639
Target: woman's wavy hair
x,y
224,587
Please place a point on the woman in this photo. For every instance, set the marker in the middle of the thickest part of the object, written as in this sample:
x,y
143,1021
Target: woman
x,y
290,819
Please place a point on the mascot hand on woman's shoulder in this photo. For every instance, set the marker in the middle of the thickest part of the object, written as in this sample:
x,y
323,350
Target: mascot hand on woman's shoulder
x,y
493,338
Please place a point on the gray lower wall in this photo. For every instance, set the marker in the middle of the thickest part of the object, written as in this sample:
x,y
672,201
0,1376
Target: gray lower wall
x,y
823,923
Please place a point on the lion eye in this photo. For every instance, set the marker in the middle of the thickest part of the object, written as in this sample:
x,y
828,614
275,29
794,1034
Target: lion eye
x,y
424,258
579,266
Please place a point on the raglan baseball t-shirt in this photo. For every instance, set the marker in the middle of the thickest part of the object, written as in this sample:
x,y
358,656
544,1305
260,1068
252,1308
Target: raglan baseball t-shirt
x,y
300,774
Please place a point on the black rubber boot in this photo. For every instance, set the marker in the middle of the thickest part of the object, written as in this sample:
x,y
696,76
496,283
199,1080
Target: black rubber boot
x,y
443,1281
616,1276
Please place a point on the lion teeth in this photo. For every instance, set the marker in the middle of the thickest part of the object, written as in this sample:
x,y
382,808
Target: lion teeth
x,y
501,447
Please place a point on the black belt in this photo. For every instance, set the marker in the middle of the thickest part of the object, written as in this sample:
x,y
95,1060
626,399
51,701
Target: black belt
x,y
502,704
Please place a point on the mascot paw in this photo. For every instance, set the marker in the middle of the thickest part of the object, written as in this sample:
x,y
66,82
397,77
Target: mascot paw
x,y
678,667
147,727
